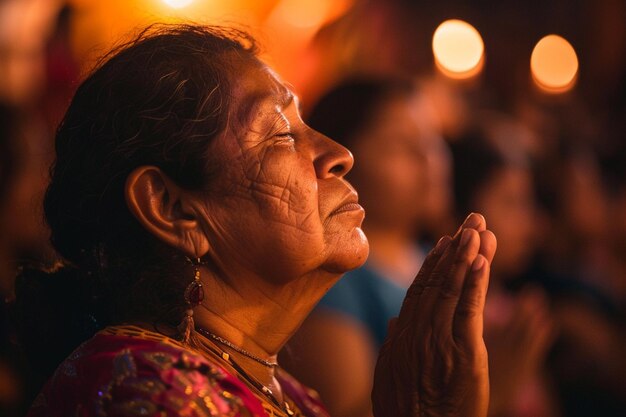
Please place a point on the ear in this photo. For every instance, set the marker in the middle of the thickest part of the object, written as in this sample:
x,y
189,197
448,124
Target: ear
x,y
165,210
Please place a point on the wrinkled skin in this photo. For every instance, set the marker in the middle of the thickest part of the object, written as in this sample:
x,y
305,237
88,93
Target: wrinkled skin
x,y
434,360
275,237
276,226
279,188
285,181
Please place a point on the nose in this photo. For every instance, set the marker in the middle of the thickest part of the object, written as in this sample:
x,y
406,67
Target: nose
x,y
330,158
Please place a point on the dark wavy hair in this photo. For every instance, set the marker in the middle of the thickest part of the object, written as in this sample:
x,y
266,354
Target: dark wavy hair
x,y
158,100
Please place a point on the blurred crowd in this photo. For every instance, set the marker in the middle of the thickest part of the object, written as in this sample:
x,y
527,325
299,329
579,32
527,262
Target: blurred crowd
x,y
548,172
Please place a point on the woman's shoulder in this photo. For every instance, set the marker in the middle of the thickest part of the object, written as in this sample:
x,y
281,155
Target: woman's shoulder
x,y
131,372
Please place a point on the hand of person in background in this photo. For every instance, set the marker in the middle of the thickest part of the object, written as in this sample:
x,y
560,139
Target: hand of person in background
x,y
519,331
434,360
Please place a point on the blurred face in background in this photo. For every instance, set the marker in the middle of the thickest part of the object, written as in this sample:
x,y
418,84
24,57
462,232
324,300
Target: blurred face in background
x,y
584,202
507,201
402,165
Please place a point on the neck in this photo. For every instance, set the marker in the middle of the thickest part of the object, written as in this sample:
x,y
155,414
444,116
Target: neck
x,y
258,317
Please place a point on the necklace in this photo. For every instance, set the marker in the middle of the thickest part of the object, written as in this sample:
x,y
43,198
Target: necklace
x,y
237,348
253,381
204,349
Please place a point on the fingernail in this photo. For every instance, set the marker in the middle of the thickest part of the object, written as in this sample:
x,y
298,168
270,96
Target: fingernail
x,y
466,236
478,264
473,221
442,244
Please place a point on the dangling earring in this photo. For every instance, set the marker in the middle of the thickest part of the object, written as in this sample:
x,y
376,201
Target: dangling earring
x,y
194,294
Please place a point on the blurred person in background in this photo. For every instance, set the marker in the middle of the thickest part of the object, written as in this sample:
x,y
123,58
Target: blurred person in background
x,y
37,74
402,175
22,237
492,175
555,338
614,169
8,162
11,381
579,266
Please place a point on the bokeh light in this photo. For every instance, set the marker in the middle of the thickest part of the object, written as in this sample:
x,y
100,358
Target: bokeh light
x,y
303,13
458,49
554,64
177,4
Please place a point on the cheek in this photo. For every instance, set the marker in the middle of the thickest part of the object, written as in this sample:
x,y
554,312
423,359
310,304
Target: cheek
x,y
283,223
284,188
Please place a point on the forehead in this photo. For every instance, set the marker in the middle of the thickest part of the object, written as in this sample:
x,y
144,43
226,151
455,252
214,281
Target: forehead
x,y
258,89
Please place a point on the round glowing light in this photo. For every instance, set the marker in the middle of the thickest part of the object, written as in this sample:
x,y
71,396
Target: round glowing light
x,y
458,49
554,64
177,4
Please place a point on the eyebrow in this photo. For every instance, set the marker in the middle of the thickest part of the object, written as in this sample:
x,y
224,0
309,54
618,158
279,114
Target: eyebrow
x,y
293,97
286,97
254,101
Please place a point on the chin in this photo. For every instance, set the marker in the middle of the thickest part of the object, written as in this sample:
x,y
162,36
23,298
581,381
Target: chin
x,y
351,253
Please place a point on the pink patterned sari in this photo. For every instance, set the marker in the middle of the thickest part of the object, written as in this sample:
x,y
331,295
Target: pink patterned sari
x,y
126,371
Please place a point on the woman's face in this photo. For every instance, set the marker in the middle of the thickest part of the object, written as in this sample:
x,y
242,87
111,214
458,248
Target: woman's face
x,y
281,206
402,166
507,201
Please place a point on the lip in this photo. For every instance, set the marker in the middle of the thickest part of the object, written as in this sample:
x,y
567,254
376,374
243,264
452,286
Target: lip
x,y
348,207
349,204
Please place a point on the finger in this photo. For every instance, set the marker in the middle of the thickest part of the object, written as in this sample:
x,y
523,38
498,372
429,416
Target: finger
x,y
428,266
468,318
436,266
453,283
488,244
391,326
418,309
419,283
472,221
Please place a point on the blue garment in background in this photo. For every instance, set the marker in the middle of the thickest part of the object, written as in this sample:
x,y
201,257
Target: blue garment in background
x,y
367,297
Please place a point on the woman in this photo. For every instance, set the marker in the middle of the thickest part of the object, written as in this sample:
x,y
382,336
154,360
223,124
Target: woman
x,y
401,173
200,220
519,324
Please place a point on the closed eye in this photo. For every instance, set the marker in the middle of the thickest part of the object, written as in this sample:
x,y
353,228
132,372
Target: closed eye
x,y
285,135
285,139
